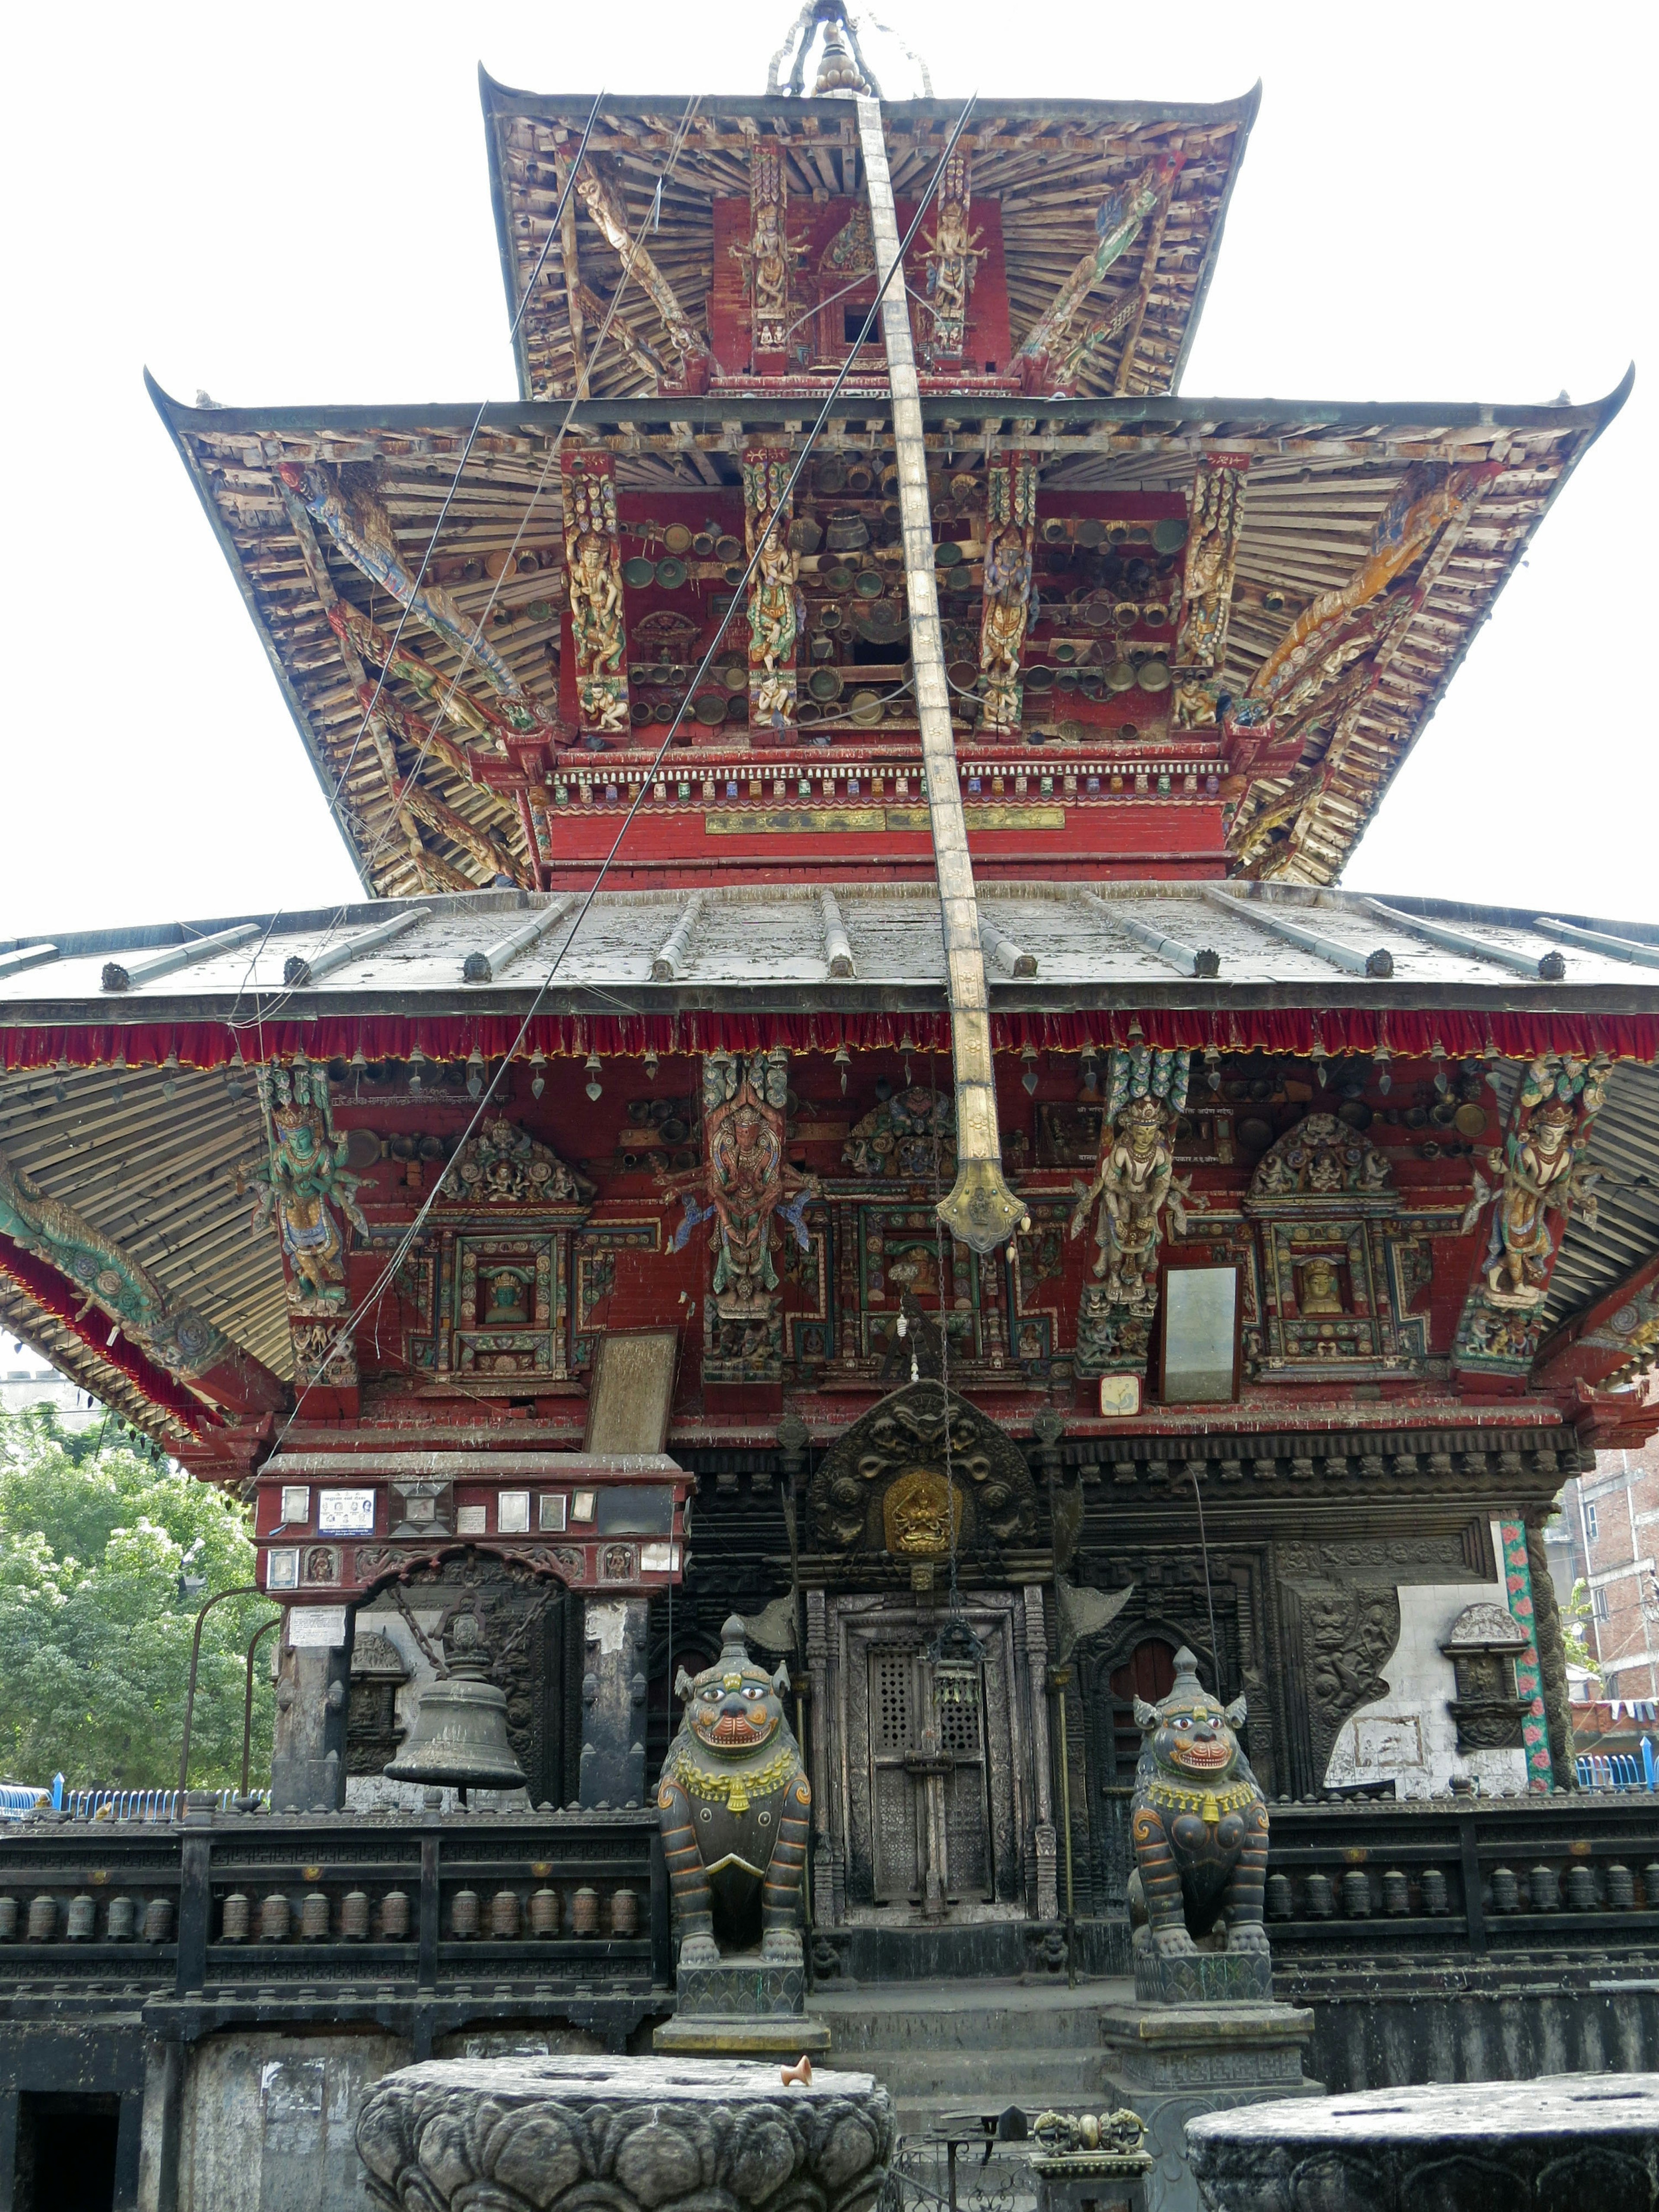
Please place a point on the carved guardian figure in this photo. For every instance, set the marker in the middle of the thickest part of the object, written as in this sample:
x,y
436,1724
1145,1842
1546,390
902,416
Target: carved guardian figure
x,y
1198,1822
733,1804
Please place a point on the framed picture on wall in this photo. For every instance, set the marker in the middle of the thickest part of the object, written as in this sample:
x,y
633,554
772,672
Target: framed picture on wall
x,y
1200,1314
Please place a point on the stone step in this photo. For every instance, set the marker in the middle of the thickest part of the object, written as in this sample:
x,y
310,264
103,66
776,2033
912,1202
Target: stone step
x,y
971,2017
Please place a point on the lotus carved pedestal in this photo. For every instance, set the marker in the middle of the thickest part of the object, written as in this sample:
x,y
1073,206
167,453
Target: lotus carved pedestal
x,y
630,2135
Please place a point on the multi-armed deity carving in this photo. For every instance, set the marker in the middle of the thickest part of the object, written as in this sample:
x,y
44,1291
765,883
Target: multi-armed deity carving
x,y
775,608
1543,1179
768,257
953,259
303,1180
1215,517
748,1183
175,1336
592,552
1010,526
1135,1183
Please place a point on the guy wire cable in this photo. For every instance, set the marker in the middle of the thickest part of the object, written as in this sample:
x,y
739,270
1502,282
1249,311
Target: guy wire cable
x,y
406,1241
1204,1549
437,528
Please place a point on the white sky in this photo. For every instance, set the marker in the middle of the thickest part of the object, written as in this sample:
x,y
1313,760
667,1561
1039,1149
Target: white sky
x,y
288,205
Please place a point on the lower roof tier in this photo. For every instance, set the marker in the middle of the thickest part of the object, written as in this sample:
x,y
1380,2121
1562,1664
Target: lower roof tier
x,y
410,1161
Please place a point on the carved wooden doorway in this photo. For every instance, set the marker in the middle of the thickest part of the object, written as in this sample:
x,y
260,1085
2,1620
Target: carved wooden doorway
x,y
927,1786
911,1746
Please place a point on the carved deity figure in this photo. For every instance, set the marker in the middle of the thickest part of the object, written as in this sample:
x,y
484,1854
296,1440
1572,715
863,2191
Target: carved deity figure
x,y
1134,1179
1003,622
774,606
768,259
592,559
953,259
1543,1177
1215,514
302,1179
1199,1823
733,1804
747,1182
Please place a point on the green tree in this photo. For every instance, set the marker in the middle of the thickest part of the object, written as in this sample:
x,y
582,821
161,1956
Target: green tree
x,y
102,1543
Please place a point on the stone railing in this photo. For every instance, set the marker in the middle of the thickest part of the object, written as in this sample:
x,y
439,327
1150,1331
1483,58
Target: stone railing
x,y
419,1922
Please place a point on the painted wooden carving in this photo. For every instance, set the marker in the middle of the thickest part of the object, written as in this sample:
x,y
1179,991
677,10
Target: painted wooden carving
x,y
910,1137
734,1807
882,1486
303,1181
361,526
1215,515
1010,526
953,259
774,605
748,1184
767,259
593,551
1118,224
1543,1179
610,219
175,1336
1135,1181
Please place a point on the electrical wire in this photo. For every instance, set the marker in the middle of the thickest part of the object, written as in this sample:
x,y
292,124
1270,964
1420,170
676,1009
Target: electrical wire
x,y
343,1336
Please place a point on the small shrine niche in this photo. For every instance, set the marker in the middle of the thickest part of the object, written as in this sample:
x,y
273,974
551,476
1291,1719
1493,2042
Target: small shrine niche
x,y
1484,1645
499,1289
1336,1274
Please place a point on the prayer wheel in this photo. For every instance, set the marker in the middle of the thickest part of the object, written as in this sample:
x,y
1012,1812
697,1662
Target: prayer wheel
x,y
464,1914
353,1916
504,1914
313,1917
158,1920
585,1912
274,1919
233,1921
545,1912
394,1917
122,1918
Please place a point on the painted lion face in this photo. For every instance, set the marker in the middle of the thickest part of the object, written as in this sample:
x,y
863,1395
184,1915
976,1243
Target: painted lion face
x,y
734,1708
1190,1732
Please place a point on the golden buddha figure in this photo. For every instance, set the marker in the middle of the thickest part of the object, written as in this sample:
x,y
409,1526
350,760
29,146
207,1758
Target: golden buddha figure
x,y
1321,1288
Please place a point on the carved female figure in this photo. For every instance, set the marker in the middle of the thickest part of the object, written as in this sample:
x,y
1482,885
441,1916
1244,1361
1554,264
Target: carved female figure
x,y
1003,622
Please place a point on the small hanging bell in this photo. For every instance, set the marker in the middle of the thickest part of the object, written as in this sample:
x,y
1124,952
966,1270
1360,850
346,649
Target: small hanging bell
x,y
460,1734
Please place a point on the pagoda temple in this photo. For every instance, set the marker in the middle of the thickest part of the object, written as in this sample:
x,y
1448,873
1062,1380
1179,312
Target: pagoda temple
x,y
852,1095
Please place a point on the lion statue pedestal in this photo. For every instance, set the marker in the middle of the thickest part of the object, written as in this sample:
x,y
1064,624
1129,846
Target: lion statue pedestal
x,y
734,1806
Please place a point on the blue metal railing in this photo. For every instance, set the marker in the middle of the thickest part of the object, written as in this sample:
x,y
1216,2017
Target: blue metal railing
x,y
1616,1770
146,1804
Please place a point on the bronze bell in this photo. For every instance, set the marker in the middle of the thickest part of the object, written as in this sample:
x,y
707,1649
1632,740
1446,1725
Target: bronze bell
x,y
460,1734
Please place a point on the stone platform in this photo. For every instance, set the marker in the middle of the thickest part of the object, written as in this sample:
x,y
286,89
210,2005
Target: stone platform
x,y
1583,2141
530,2135
1171,2063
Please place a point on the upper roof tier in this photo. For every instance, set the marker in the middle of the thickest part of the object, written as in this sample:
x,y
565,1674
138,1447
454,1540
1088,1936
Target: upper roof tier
x,y
1332,654
1044,176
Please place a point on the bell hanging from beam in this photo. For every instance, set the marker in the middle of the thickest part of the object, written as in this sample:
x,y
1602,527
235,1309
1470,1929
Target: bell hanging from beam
x,y
460,1734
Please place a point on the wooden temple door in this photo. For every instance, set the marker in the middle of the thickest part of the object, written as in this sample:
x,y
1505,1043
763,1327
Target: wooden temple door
x,y
930,1799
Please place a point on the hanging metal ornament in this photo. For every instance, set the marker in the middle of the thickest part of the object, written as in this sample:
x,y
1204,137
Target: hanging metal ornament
x,y
957,1655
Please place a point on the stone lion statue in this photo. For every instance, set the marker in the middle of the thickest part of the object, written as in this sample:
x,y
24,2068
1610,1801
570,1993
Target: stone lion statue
x,y
734,1806
1198,1822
